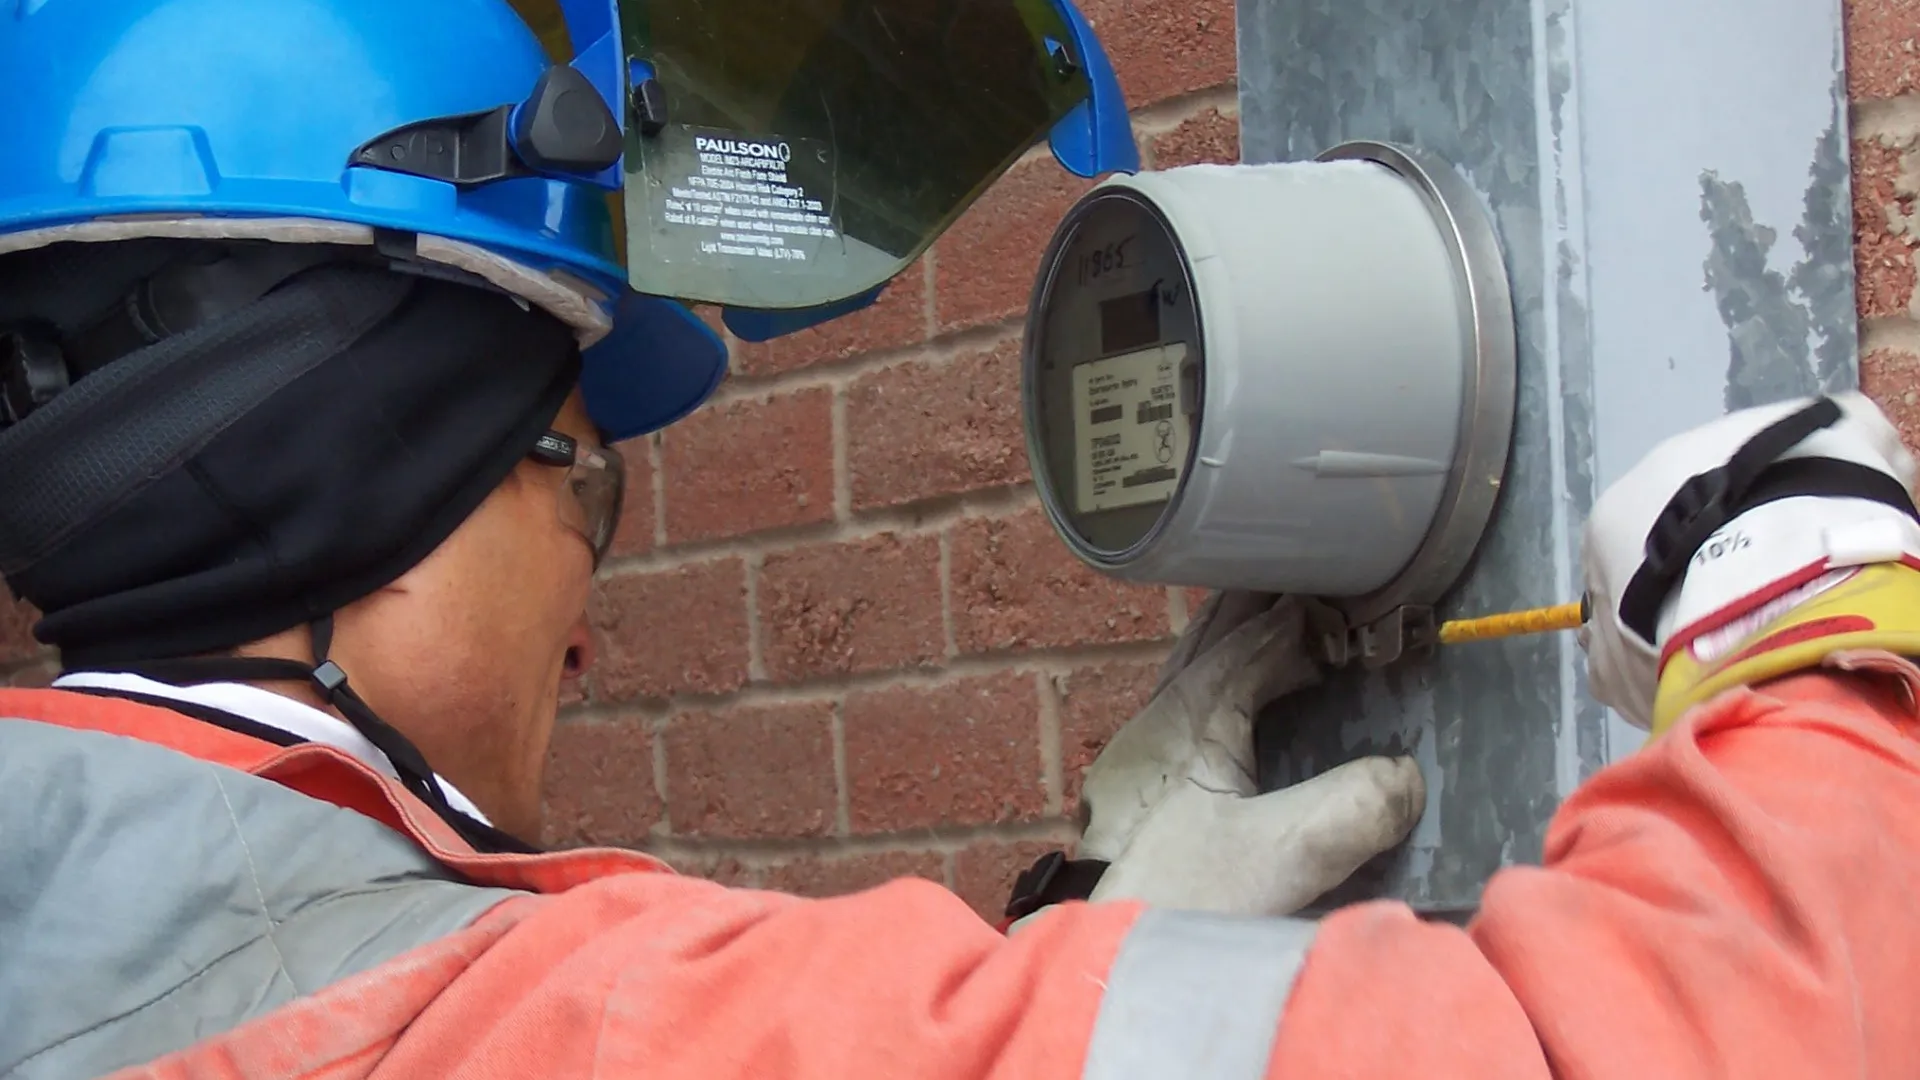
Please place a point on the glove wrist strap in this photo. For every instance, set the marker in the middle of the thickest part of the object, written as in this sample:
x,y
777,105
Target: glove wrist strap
x,y
1053,879
1791,479
1753,477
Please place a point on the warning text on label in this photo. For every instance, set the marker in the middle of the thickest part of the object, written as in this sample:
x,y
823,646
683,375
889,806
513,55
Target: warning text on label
x,y
738,201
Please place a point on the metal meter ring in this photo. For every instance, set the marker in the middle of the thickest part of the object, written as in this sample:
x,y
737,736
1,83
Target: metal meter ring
x,y
1487,406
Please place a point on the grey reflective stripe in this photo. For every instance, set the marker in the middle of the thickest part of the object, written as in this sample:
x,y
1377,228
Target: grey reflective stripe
x,y
1197,996
149,900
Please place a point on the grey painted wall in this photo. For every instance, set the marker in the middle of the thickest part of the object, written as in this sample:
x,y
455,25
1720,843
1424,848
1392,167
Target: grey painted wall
x,y
1669,181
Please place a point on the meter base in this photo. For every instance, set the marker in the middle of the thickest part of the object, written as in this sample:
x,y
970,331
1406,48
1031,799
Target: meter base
x,y
1410,630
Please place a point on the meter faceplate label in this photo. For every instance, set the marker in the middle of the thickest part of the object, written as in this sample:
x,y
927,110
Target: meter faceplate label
x,y
1129,432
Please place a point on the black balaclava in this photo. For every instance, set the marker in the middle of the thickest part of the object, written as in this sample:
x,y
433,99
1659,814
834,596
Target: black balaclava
x,y
254,437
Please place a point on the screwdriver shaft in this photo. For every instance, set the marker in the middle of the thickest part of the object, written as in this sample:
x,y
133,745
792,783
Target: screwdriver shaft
x,y
1514,623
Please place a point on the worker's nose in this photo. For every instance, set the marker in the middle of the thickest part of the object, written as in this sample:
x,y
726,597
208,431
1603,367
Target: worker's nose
x,y
579,648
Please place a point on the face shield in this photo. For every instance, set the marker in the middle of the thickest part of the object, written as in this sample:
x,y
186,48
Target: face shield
x,y
785,159
780,160
791,154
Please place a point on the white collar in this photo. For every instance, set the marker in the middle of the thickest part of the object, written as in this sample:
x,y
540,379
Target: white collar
x,y
262,707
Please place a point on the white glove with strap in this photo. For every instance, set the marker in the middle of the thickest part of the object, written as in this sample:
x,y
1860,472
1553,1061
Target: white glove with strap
x,y
1173,815
1772,540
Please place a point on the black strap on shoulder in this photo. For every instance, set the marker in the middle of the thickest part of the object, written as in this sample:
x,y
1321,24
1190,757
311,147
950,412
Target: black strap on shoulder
x,y
206,714
1752,477
1053,879
331,681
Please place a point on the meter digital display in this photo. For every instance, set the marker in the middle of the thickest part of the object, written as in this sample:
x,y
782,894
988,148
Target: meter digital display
x,y
1130,322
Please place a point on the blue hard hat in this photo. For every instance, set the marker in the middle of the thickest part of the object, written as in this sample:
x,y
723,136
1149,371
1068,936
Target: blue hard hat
x,y
220,111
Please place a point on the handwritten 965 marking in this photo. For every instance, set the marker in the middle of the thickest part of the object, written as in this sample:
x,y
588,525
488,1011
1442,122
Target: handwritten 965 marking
x,y
1103,261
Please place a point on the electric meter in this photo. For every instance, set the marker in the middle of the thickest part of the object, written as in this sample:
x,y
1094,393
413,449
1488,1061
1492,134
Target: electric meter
x,y
1290,378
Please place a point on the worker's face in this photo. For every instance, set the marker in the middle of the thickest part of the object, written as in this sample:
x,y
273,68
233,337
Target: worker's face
x,y
465,654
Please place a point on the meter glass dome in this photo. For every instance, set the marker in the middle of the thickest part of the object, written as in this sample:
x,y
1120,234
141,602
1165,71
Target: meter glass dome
x,y
1114,372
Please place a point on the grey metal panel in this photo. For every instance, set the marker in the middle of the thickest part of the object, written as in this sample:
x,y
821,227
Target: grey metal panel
x,y
1719,208
1668,179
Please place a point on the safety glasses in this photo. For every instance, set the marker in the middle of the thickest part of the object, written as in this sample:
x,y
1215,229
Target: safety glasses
x,y
595,487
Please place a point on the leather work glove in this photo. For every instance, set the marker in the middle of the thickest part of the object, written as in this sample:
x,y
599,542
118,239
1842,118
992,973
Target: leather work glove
x,y
1171,804
1769,541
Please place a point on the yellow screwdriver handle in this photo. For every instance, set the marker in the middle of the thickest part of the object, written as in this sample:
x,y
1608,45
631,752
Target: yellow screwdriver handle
x,y
1514,623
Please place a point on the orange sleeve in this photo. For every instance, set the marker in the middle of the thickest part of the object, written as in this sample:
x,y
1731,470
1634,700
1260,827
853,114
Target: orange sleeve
x,y
671,978
1735,900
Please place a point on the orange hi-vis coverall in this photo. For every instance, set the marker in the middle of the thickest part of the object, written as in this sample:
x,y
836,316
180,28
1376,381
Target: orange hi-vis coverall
x,y
178,901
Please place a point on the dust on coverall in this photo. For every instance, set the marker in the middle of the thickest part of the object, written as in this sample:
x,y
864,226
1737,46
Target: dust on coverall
x,y
183,901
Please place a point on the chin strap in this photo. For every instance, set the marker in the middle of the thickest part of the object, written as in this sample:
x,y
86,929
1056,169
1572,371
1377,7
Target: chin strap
x,y
330,680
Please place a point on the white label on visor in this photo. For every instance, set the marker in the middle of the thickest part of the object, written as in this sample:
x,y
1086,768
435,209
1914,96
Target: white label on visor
x,y
737,200
1129,433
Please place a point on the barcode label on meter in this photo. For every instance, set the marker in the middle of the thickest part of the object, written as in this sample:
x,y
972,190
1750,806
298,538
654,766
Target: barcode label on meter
x,y
1129,433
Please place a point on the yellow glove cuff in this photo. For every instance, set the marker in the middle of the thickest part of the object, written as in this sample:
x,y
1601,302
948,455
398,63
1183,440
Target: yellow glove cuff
x,y
1877,608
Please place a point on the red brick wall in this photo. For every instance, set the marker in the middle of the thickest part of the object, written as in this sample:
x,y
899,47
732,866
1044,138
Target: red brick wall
x,y
842,643
1883,79
839,643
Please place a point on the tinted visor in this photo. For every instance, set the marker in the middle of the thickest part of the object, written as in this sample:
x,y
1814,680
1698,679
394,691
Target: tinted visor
x,y
794,153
